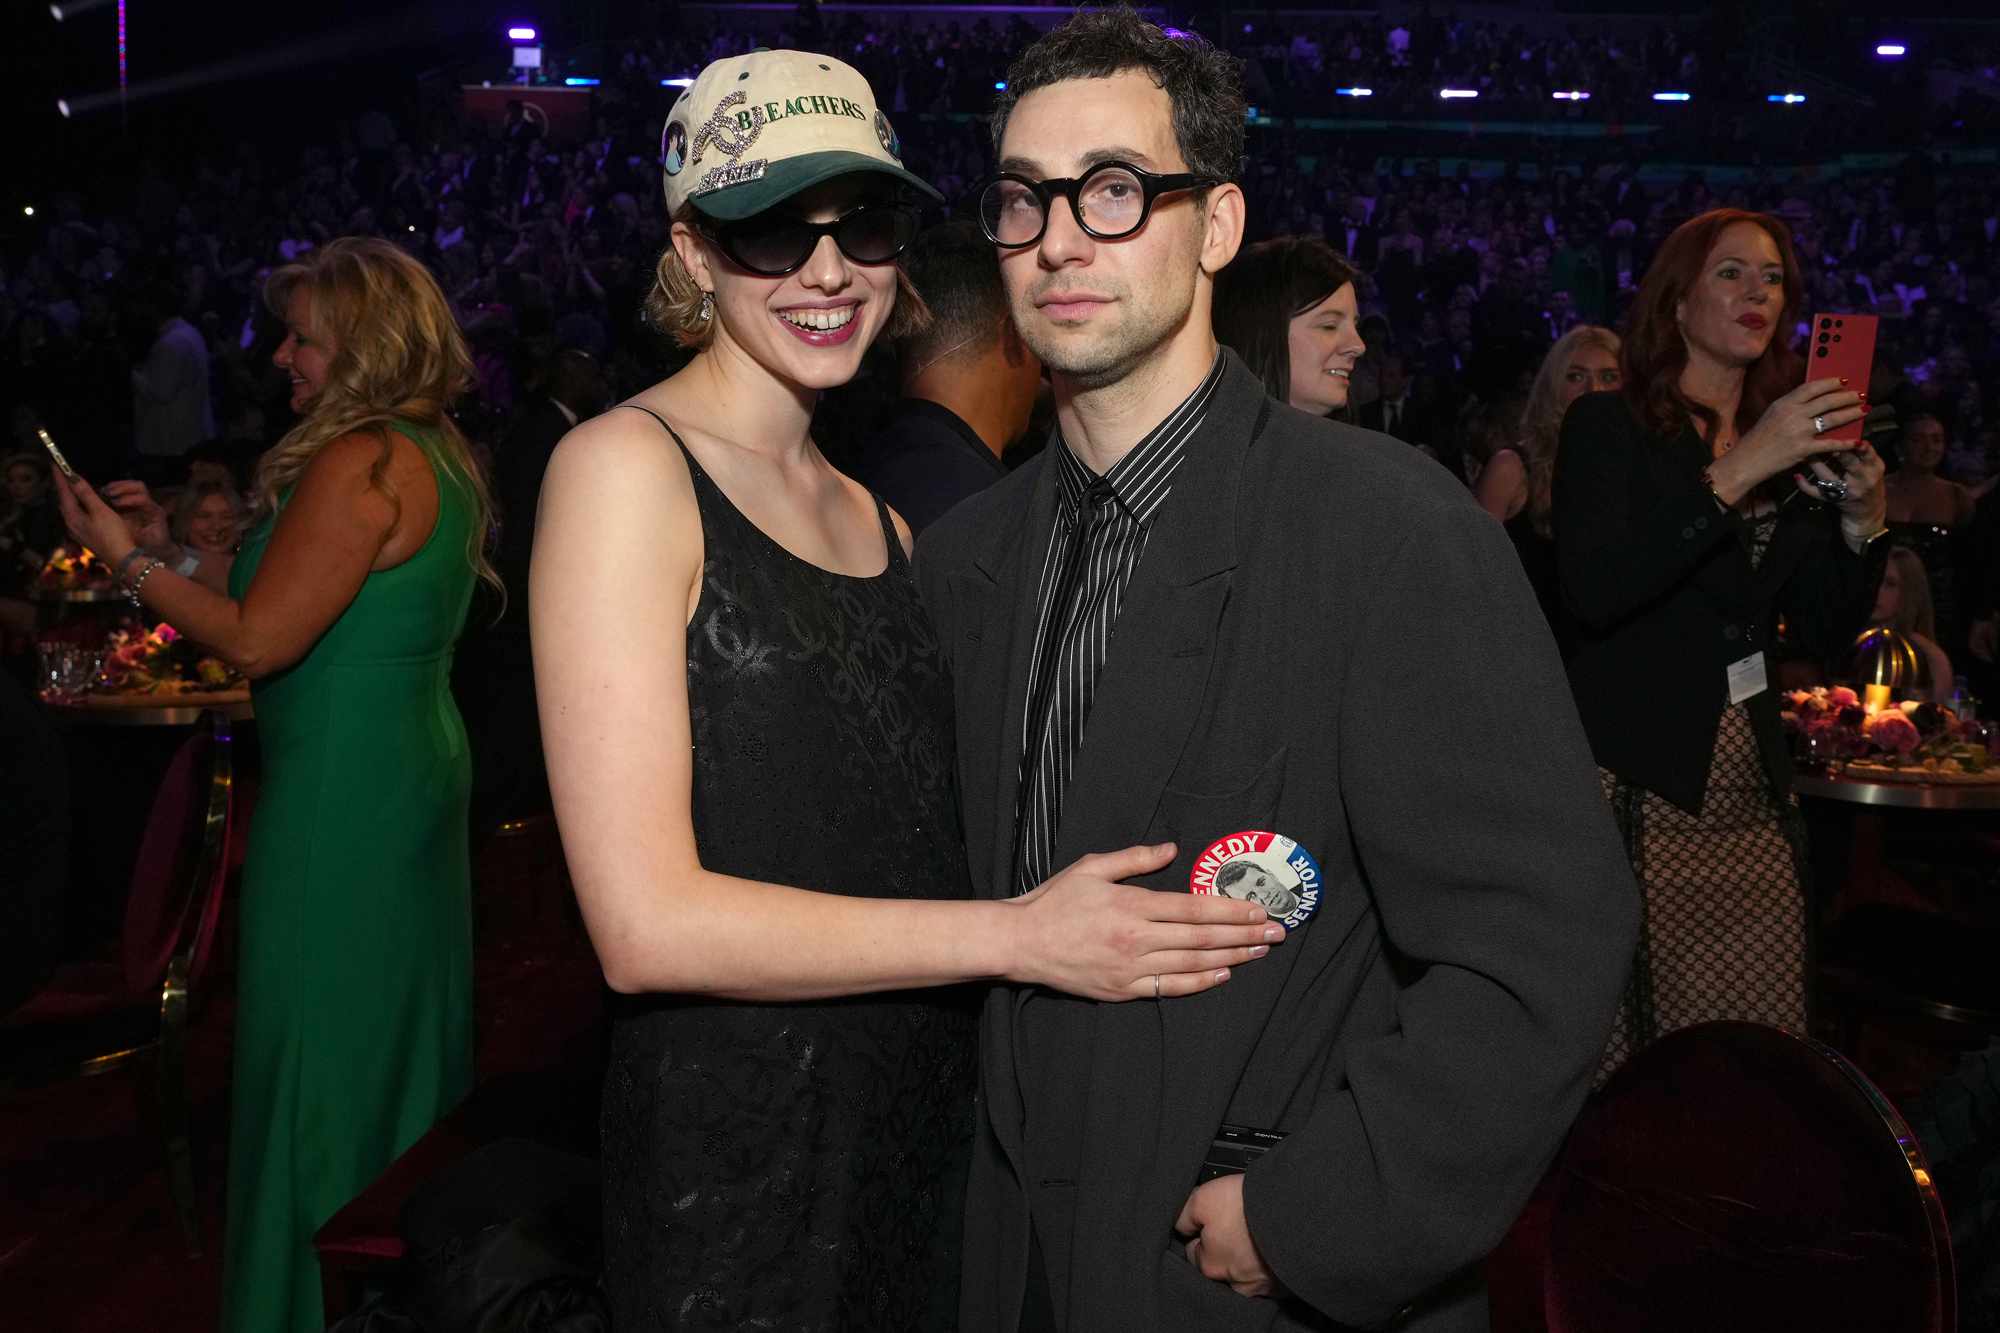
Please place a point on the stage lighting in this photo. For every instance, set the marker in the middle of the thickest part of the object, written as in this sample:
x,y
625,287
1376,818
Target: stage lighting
x,y
1789,99
677,83
28,211
1454,94
62,105
1673,97
1572,95
56,13
578,81
521,34
1353,92
1892,50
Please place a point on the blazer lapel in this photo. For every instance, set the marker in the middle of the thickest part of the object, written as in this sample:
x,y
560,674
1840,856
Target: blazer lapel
x,y
1014,563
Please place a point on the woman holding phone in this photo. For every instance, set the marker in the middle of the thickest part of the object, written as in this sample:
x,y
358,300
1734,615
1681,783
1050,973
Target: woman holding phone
x,y
747,719
1687,522
354,1014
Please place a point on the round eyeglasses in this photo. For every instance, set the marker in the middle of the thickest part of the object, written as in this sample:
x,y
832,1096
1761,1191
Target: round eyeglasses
x,y
775,242
1110,201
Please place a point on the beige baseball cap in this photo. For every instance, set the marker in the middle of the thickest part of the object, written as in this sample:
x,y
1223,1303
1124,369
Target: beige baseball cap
x,y
756,129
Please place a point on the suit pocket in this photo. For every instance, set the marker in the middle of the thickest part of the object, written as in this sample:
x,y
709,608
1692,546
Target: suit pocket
x,y
1191,1303
1193,820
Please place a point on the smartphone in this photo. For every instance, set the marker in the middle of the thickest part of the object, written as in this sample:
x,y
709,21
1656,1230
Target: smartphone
x,y
61,463
1842,347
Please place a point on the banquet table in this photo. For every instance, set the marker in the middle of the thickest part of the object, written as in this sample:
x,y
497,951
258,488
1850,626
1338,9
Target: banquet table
x,y
1937,796
154,710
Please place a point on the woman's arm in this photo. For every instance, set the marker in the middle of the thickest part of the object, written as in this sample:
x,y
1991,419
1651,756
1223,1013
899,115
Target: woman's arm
x,y
1503,484
338,526
616,566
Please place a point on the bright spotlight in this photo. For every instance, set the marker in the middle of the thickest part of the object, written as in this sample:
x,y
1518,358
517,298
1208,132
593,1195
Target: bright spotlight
x,y
1892,50
1572,95
521,34
1353,92
1673,97
62,105
1457,94
677,83
1788,99
28,211
56,13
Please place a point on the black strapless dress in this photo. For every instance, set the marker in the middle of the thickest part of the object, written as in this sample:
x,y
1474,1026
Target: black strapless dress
x,y
800,1166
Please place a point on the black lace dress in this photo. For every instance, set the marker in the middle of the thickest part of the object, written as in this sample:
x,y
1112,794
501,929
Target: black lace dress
x,y
800,1166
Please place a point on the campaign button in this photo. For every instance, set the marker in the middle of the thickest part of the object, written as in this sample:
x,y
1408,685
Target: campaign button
x,y
1265,868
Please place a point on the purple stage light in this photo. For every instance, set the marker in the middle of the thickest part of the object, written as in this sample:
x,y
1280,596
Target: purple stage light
x,y
1571,95
521,34
1456,94
1892,50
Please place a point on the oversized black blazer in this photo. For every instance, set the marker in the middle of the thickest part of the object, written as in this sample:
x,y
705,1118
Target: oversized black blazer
x,y
1663,596
1327,639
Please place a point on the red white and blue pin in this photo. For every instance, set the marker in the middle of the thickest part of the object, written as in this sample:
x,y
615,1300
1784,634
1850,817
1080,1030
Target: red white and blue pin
x,y
1265,868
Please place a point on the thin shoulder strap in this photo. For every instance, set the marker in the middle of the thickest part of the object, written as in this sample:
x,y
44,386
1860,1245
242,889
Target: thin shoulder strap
x,y
889,536
668,429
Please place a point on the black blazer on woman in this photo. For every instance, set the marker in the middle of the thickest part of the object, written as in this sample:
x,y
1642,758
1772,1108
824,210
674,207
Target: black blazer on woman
x,y
1660,583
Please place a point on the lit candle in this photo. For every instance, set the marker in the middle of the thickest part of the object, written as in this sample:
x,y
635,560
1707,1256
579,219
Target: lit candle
x,y
1874,698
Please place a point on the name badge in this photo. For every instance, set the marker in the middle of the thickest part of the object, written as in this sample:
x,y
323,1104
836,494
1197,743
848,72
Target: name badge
x,y
1265,868
1746,678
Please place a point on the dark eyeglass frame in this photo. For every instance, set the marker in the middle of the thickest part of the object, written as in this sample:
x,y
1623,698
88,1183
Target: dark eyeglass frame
x,y
726,235
1152,184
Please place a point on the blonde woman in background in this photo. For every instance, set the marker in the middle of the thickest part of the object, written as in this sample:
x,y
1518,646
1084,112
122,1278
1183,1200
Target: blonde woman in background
x,y
1515,486
208,518
354,1020
1584,360
1903,603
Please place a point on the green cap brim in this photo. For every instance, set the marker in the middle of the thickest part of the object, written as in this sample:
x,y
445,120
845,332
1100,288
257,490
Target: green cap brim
x,y
733,203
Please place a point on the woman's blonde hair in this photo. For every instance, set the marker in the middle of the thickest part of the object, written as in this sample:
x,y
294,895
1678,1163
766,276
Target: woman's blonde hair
x,y
674,306
1542,418
1915,613
398,355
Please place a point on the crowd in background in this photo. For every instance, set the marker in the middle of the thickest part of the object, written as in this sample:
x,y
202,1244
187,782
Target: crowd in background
x,y
1469,273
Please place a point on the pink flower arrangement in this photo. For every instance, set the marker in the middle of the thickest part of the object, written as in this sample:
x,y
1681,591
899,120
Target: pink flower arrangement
x,y
1892,731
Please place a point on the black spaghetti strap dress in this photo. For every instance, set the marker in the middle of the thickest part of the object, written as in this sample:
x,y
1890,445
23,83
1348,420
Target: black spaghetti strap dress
x,y
800,1166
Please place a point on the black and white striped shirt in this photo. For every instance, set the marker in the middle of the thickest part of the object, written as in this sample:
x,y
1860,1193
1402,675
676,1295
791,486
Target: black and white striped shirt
x,y
1101,528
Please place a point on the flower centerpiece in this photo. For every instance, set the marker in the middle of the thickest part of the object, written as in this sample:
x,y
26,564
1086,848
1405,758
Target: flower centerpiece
x,y
74,569
1912,741
159,660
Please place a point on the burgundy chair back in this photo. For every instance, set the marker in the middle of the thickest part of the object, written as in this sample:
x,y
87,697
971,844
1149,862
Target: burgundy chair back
x,y
176,885
1735,1177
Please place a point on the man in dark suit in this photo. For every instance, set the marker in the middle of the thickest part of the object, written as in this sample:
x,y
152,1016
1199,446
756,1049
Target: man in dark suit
x,y
1358,239
1398,413
495,677
969,383
1200,616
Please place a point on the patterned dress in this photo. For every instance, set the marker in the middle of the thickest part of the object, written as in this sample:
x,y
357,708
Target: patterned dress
x,y
800,1166
1724,929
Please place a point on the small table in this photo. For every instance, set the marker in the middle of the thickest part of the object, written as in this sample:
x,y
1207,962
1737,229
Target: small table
x,y
1952,796
156,710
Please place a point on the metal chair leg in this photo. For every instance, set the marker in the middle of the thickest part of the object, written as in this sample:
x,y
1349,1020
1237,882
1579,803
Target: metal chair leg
x,y
179,1149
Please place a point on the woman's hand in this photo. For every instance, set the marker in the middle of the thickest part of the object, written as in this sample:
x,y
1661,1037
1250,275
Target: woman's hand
x,y
1866,507
144,517
94,523
1791,432
1084,933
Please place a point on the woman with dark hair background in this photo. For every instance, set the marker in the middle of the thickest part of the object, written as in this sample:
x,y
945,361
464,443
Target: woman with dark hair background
x,y
1687,522
1287,307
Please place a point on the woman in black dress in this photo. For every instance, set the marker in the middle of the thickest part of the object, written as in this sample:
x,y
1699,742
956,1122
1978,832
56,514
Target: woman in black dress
x,y
748,726
1685,526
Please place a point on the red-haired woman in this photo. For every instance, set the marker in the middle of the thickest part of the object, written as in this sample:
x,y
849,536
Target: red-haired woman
x,y
1687,522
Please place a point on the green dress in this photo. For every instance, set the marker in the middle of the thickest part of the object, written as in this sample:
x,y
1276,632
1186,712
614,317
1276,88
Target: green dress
x,y
354,987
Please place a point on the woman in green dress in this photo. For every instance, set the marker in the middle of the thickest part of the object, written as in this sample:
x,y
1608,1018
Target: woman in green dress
x,y
354,1014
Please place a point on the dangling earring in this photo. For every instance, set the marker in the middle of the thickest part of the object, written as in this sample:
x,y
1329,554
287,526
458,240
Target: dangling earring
x,y
707,307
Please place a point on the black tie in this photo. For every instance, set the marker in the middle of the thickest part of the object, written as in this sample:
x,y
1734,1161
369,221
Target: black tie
x,y
1031,828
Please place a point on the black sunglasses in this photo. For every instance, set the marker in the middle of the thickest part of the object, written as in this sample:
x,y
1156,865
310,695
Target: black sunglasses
x,y
1110,201
775,243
